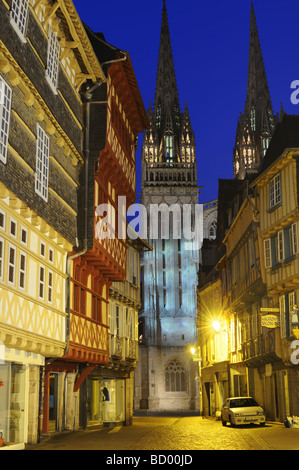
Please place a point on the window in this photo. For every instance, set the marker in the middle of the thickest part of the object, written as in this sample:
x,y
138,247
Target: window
x,y
22,271
53,60
11,265
13,228
280,246
1,258
5,106
19,11
293,239
2,220
42,249
267,253
175,377
42,164
288,313
51,255
24,235
117,320
41,289
50,286
213,229
275,191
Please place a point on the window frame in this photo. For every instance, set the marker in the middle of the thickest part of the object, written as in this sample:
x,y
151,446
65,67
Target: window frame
x,y
53,54
2,254
268,259
19,18
10,265
42,163
275,192
5,112
22,271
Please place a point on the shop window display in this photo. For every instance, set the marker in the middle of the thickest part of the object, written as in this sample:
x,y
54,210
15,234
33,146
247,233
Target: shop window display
x,y
105,401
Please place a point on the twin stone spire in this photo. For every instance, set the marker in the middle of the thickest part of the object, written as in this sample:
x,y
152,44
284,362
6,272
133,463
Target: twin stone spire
x,y
169,144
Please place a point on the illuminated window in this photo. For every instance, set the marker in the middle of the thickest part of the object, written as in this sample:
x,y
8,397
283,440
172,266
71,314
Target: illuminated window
x,y
213,228
169,148
19,12
175,377
5,106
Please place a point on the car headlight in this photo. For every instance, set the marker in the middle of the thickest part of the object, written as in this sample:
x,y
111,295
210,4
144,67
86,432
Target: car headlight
x,y
260,413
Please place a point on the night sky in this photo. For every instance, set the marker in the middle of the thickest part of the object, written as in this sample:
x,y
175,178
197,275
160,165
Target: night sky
x,y
210,42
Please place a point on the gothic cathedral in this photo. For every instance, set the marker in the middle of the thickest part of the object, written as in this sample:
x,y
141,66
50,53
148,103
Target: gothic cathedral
x,y
167,377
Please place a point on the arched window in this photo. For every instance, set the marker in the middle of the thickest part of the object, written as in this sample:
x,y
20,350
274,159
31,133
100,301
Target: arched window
x,y
213,228
175,377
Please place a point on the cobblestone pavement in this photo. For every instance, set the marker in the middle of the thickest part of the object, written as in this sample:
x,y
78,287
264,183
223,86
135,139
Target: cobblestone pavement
x,y
175,433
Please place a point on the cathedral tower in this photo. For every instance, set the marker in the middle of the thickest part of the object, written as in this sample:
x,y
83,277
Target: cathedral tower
x,y
166,375
256,125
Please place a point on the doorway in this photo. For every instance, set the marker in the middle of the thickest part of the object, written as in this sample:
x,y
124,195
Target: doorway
x,y
53,401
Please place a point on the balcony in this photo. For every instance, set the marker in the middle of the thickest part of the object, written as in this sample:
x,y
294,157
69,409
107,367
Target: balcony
x,y
122,349
260,350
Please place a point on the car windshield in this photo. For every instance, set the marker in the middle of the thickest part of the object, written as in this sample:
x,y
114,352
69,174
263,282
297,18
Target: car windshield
x,y
242,402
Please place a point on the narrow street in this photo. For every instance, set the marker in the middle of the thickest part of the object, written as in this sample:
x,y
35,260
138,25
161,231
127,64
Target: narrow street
x,y
175,434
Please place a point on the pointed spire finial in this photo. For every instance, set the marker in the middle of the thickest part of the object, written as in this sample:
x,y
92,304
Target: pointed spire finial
x,y
256,125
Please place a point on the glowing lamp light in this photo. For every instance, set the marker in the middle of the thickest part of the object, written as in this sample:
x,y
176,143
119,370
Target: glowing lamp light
x,y
192,350
216,325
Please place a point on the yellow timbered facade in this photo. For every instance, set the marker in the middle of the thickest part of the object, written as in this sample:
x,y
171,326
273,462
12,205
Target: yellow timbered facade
x,y
45,57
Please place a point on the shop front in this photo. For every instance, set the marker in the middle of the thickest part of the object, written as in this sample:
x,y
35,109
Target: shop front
x,y
19,398
105,401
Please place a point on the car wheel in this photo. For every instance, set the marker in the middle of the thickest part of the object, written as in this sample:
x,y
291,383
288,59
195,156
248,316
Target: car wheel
x,y
230,421
263,424
223,422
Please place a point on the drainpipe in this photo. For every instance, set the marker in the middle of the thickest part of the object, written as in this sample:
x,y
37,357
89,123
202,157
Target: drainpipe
x,y
88,96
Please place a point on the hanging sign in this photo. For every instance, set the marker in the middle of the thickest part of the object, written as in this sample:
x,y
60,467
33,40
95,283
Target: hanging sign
x,y
270,321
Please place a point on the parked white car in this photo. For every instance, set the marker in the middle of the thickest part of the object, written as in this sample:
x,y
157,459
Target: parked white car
x,y
242,410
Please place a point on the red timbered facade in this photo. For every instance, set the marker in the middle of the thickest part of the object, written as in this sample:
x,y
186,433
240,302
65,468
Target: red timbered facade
x,y
112,174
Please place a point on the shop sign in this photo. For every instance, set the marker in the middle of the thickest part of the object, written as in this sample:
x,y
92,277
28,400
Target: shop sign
x,y
270,321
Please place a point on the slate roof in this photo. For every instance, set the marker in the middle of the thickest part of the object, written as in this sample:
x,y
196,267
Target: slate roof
x,y
286,135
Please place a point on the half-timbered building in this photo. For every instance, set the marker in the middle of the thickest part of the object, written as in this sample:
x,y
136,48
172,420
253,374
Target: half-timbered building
x,y
115,116
45,57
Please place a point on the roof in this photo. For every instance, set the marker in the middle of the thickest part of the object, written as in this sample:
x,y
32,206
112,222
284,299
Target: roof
x,y
286,136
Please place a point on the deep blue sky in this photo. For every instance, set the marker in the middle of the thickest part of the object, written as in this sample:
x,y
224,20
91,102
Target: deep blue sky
x,y
210,42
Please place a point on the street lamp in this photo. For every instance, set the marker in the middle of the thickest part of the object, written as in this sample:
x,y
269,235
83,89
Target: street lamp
x,y
216,325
